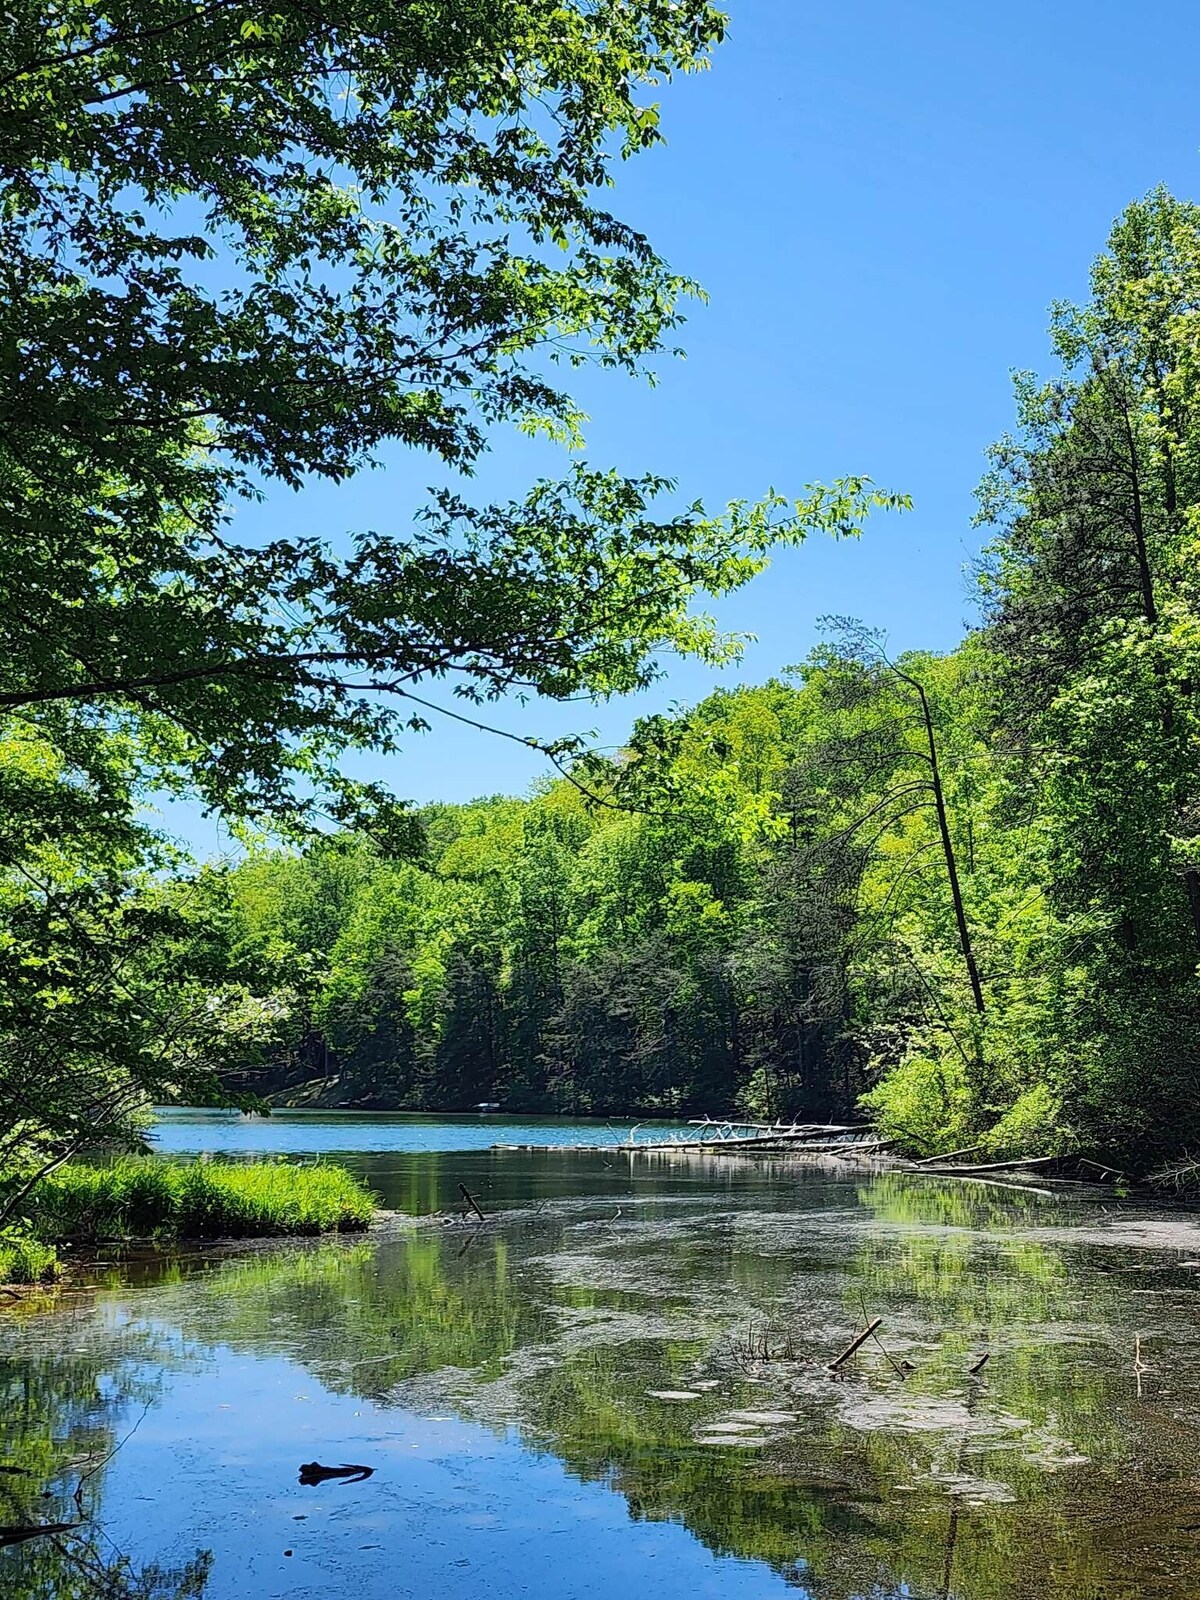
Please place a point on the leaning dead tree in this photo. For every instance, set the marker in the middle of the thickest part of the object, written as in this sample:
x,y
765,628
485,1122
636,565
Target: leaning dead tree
x,y
879,763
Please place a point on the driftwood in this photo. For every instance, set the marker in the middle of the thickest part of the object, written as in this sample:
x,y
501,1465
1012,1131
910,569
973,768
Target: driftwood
x,y
1106,1172
802,1139
804,1147
800,1136
854,1147
855,1344
990,1166
312,1472
949,1155
799,1130
471,1201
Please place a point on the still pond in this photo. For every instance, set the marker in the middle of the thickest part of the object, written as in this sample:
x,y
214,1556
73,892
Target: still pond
x,y
618,1385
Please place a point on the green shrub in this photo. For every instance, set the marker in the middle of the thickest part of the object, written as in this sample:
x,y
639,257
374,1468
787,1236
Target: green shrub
x,y
924,1102
1030,1127
153,1198
25,1260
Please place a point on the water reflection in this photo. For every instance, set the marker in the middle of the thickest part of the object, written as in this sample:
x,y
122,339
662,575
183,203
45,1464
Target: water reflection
x,y
63,1414
666,1334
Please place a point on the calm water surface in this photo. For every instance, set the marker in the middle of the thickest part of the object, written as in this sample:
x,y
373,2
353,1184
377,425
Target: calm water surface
x,y
618,1386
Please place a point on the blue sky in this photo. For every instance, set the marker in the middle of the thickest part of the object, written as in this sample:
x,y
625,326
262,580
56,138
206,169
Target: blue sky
x,y
881,200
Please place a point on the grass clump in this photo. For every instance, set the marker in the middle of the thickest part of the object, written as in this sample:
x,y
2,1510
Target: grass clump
x,y
26,1260
152,1198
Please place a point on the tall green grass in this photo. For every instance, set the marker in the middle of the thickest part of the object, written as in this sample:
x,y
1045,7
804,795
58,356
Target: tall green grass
x,y
26,1260
152,1198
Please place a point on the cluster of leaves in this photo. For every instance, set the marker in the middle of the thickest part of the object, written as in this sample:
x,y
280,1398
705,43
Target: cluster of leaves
x,y
238,247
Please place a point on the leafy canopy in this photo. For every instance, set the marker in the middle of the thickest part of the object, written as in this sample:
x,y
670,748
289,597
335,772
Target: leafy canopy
x,y
239,245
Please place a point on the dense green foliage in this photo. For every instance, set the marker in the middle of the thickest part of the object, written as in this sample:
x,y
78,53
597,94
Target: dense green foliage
x,y
153,1198
236,249
26,1260
968,885
719,945
239,249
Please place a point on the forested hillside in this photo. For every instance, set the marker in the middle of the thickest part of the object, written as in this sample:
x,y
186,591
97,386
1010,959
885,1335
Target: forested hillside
x,y
965,885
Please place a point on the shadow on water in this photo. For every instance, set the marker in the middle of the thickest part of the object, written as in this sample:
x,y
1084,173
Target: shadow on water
x,y
621,1380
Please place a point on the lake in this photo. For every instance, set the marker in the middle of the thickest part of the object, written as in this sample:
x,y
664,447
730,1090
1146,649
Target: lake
x,y
619,1385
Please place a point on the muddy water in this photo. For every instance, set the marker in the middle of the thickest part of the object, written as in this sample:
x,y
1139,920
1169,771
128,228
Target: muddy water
x,y
619,1385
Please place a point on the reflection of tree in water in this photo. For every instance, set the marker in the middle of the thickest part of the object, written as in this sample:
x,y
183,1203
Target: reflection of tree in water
x,y
76,1567
61,1421
941,1486
365,1317
842,1503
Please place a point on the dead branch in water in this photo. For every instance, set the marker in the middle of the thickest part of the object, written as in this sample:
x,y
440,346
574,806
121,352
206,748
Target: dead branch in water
x,y
948,1155
471,1201
1016,1165
1183,1176
901,1368
1105,1172
861,1147
856,1344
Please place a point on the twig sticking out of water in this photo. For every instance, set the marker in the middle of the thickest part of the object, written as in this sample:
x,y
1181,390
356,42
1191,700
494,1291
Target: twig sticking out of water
x,y
900,1368
855,1344
762,1345
980,1364
471,1201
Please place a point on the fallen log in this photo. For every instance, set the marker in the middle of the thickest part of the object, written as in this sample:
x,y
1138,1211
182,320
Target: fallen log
x,y
784,1140
800,1138
852,1147
787,1129
948,1155
989,1166
772,1147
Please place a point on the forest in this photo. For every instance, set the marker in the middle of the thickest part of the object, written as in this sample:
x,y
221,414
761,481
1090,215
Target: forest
x,y
959,891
